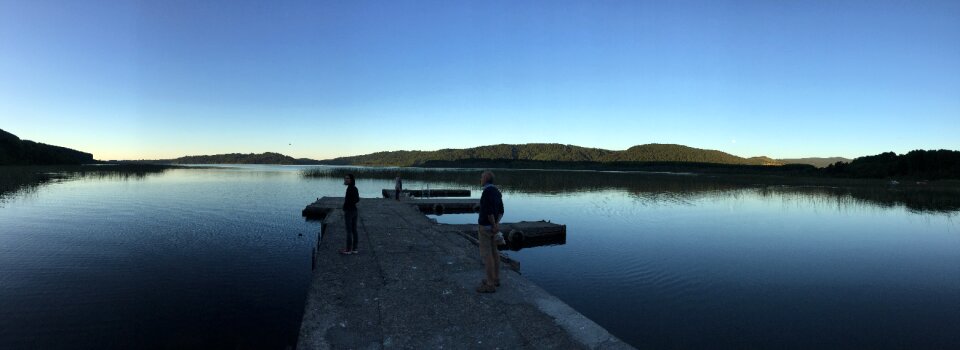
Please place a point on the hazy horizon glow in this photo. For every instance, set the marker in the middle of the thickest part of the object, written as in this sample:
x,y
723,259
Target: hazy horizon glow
x,y
148,80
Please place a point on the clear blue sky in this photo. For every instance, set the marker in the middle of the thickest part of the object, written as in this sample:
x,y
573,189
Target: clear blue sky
x,y
131,79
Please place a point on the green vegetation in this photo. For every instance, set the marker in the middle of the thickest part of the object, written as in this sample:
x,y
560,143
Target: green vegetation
x,y
239,158
231,158
817,162
14,151
681,154
551,152
918,164
16,178
673,167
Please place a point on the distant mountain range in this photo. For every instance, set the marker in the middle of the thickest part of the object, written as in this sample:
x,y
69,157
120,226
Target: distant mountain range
x,y
939,164
553,152
234,158
817,162
14,151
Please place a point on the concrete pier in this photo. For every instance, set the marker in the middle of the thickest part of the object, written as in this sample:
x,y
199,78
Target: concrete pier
x,y
438,206
412,286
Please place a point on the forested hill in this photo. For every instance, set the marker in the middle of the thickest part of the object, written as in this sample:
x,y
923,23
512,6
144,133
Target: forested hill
x,y
553,152
240,158
14,151
817,162
917,164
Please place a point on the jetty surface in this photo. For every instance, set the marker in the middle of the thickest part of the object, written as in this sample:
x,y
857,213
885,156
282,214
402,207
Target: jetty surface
x,y
413,286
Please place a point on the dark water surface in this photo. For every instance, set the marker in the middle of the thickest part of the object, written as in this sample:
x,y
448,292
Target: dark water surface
x,y
213,258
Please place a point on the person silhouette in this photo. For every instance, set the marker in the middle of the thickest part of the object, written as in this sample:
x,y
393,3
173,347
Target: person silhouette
x,y
350,214
488,224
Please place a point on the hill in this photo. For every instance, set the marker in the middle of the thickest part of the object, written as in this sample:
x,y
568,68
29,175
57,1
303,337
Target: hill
x,y
552,152
917,164
817,162
234,158
14,151
679,153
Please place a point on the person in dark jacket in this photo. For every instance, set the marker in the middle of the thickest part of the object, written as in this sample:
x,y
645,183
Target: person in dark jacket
x,y
397,187
350,214
488,224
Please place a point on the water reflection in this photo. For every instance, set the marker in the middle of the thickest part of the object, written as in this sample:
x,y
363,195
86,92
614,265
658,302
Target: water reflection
x,y
679,189
150,257
26,179
707,261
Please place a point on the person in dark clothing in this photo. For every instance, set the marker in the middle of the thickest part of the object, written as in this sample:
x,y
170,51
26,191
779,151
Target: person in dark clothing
x,y
488,224
350,214
397,187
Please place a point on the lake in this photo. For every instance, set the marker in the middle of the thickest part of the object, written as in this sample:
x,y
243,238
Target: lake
x,y
219,257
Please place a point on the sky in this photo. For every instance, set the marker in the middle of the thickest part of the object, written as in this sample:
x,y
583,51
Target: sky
x,y
321,79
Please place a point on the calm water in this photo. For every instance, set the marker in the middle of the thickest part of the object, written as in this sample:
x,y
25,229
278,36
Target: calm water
x,y
220,258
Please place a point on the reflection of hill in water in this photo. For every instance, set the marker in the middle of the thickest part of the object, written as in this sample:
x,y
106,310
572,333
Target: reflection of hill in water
x,y
678,188
16,179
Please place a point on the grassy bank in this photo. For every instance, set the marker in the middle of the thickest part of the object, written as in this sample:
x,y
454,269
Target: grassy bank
x,y
15,178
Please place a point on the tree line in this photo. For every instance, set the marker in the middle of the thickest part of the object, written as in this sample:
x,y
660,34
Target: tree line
x,y
14,151
917,164
551,152
241,158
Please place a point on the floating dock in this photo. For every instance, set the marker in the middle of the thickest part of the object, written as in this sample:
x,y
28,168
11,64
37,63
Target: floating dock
x,y
519,235
436,206
440,206
412,286
440,192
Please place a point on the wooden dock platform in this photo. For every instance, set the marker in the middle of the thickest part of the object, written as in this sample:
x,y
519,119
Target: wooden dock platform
x,y
440,206
412,286
524,234
427,193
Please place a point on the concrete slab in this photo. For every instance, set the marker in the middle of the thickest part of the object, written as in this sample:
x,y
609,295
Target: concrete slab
x,y
412,286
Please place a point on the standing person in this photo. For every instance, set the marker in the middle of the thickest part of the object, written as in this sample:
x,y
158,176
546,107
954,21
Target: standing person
x,y
350,214
491,211
397,187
